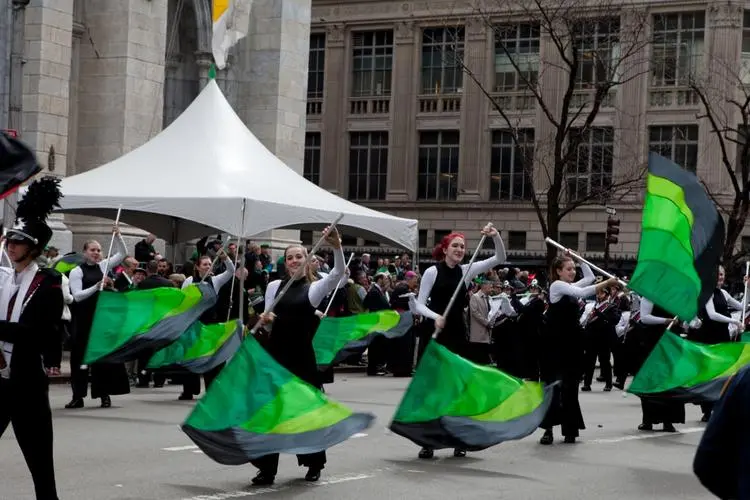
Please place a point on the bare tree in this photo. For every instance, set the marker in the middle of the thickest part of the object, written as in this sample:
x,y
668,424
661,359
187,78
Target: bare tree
x,y
724,94
589,49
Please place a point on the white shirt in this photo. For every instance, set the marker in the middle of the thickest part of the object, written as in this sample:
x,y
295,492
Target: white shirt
x,y
76,275
318,290
430,275
217,281
13,281
580,289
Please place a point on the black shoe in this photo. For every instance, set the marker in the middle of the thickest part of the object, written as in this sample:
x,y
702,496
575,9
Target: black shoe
x,y
426,453
74,404
547,439
620,384
600,379
313,474
263,479
459,453
586,388
608,388
669,428
106,402
185,397
706,417
569,440
158,386
646,427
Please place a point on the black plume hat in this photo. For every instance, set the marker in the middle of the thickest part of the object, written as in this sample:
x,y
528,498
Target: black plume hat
x,y
41,198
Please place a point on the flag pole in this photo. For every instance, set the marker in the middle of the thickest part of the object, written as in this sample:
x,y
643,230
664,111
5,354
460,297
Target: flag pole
x,y
338,285
111,244
300,272
581,259
460,283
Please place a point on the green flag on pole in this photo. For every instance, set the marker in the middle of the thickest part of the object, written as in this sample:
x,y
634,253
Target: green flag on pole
x,y
256,407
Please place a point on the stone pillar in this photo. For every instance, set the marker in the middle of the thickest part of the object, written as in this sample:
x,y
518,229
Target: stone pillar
x,y
46,92
272,87
403,113
5,37
631,128
203,60
552,84
722,78
121,97
473,122
333,137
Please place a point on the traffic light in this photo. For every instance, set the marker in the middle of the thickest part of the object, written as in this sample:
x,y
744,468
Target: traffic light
x,y
613,229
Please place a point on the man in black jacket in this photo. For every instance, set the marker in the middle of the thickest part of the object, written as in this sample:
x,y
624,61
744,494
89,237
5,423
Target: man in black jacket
x,y
31,304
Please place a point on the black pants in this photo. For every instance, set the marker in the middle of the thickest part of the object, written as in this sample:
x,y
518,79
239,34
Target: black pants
x,y
598,347
377,354
269,464
28,410
192,382
144,374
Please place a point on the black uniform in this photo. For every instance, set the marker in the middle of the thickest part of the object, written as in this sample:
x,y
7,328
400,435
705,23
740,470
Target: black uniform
x,y
290,344
107,379
454,335
646,338
25,394
562,360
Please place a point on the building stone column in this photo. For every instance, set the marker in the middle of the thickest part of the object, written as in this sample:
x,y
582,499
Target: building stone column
x,y
46,92
722,77
333,131
403,113
121,94
5,37
631,128
473,121
272,86
552,81
203,60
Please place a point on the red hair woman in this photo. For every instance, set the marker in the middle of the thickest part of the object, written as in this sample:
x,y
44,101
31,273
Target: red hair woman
x,y
437,287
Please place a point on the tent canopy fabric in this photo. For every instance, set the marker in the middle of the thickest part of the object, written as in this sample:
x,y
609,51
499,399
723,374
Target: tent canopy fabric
x,y
196,176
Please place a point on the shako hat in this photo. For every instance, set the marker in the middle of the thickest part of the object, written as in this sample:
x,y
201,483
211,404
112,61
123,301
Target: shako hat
x,y
41,198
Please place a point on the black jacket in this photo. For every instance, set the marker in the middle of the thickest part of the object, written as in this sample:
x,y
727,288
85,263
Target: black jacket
x,y
34,333
375,300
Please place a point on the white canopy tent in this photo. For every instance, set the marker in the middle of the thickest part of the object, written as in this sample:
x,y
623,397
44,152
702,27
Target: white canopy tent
x,y
196,176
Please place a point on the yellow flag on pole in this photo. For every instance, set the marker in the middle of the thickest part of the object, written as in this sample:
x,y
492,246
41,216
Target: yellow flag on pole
x,y
231,21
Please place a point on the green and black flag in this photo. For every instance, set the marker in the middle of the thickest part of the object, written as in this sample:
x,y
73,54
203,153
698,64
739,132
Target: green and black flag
x,y
454,403
682,239
681,370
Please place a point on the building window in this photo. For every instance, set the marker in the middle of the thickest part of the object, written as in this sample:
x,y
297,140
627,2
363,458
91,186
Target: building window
x,y
595,242
311,169
516,56
440,234
679,143
306,237
745,57
516,240
372,63
569,240
442,53
423,238
317,63
511,167
368,165
598,46
438,165
677,48
591,174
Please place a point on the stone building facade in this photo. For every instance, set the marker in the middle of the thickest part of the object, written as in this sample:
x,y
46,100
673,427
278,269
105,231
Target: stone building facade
x,y
384,117
102,77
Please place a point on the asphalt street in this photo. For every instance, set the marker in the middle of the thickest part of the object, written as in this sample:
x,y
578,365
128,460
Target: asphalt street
x,y
135,450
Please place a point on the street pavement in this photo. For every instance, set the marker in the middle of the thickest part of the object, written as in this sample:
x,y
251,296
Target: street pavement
x,y
136,450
